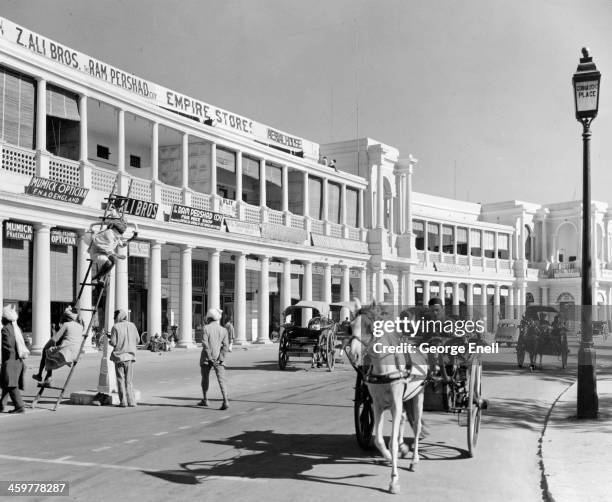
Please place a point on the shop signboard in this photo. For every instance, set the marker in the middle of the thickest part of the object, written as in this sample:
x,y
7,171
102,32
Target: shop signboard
x,y
242,227
18,231
140,249
228,207
60,237
55,190
134,207
196,217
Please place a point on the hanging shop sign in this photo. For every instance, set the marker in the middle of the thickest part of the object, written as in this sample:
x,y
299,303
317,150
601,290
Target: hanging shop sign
x,y
61,237
196,217
283,233
55,190
134,207
18,231
140,249
242,227
228,208
336,243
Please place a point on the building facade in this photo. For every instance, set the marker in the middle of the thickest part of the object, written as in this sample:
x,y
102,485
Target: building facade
x,y
238,215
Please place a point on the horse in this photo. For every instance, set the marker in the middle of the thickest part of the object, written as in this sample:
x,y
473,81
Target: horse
x,y
393,385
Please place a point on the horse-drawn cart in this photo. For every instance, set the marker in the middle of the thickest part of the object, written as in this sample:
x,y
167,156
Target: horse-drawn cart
x,y
308,331
541,333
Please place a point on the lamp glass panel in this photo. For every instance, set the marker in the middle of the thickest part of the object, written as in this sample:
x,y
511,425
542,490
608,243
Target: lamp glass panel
x,y
586,95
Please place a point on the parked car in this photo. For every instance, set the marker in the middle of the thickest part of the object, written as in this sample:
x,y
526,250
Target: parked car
x,y
507,332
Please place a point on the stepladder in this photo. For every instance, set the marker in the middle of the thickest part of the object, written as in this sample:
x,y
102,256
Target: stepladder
x,y
111,216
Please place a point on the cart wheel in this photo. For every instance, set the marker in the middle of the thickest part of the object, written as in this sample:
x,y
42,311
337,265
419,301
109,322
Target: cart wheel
x,y
564,352
474,405
283,356
331,351
520,355
364,415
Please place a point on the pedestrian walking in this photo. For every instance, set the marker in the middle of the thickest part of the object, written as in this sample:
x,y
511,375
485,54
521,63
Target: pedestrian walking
x,y
229,326
215,345
124,339
14,351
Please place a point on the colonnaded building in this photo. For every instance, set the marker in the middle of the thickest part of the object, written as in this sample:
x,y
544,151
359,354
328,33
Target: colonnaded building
x,y
238,215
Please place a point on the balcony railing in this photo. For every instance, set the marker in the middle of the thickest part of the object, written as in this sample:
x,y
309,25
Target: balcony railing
x,y
23,161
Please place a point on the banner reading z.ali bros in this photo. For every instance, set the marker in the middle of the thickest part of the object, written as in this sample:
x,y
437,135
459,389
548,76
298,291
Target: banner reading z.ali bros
x,y
135,207
196,217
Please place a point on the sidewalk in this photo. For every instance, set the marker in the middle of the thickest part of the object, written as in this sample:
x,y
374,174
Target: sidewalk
x,y
577,455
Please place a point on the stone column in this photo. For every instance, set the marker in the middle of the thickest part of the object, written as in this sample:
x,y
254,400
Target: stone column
x,y
185,160
239,176
469,294
121,282
455,298
213,169
263,322
306,195
155,152
510,303
154,313
363,285
84,301
544,294
285,188
408,196
214,286
41,288
380,198
263,202
345,288
496,304
380,284
83,150
426,292
109,304
286,284
484,306
121,141
240,326
343,204
307,281
327,283
360,217
41,129
324,202
185,331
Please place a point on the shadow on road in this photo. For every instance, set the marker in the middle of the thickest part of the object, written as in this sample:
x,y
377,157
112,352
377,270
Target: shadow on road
x,y
271,455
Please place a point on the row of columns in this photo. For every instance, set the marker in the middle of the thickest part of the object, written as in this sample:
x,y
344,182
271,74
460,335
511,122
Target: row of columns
x,y
41,147
117,293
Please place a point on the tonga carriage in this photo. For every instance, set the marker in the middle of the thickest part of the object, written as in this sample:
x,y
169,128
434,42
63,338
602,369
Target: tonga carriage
x,y
308,331
541,333
462,394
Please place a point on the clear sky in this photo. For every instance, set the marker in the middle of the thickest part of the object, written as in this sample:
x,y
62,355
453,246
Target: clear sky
x,y
483,85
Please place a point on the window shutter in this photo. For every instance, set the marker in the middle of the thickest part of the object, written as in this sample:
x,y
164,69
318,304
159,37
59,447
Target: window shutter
x,y
62,104
17,107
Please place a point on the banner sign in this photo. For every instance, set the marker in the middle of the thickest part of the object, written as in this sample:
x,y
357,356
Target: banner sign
x,y
151,92
228,208
283,233
55,190
61,237
336,243
242,227
18,231
141,249
134,207
196,217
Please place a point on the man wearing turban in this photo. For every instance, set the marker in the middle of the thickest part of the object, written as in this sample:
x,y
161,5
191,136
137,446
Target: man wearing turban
x,y
215,345
124,338
14,351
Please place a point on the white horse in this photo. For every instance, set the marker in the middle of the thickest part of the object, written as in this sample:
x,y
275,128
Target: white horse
x,y
392,383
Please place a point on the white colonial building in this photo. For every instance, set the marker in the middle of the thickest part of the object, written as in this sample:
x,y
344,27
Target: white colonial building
x,y
239,215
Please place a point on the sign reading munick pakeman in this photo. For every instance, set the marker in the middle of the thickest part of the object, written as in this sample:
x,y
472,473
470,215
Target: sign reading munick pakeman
x,y
55,190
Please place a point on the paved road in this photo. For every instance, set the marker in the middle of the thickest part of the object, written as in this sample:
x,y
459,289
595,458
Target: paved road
x,y
287,436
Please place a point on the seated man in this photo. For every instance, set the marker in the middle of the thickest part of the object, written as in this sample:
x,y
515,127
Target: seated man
x,y
63,348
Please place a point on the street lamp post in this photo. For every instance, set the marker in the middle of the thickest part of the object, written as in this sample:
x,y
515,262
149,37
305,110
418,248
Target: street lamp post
x,y
586,99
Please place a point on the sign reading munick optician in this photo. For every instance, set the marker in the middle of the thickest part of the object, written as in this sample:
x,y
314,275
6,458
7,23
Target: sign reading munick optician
x,y
135,207
196,217
55,190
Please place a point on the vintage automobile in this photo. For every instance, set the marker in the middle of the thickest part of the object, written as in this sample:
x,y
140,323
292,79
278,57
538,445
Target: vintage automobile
x,y
308,331
507,332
